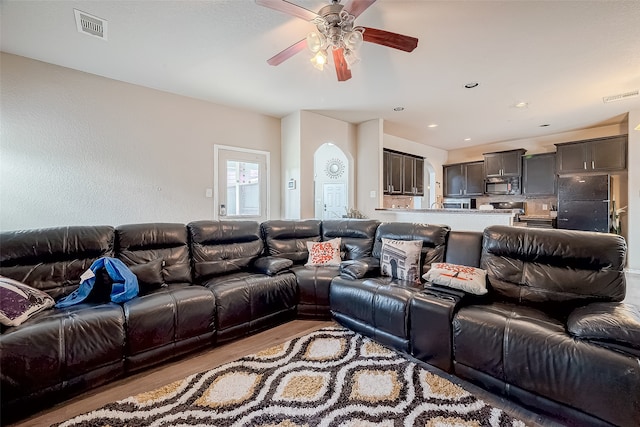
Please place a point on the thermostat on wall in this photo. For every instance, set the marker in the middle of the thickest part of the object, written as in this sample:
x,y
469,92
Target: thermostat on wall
x,y
291,185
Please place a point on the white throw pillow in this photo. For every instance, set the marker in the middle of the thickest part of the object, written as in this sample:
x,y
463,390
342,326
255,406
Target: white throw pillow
x,y
462,277
400,259
324,253
18,301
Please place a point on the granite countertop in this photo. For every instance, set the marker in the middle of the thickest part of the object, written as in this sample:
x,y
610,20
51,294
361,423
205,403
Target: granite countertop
x,y
456,211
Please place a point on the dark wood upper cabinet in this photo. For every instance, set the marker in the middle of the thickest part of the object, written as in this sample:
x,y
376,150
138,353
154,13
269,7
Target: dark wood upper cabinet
x,y
393,172
464,179
539,175
403,173
503,163
593,155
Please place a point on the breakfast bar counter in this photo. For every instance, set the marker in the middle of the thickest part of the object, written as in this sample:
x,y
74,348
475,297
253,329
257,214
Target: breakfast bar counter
x,y
457,219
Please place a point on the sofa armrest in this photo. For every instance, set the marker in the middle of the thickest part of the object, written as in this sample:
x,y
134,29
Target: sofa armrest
x,y
613,325
271,265
359,268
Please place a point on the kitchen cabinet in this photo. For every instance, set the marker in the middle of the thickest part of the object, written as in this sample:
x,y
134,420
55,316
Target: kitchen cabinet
x,y
593,155
464,179
503,163
539,175
393,172
413,176
403,173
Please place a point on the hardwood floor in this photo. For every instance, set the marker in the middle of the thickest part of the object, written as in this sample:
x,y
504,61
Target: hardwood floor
x,y
209,359
167,373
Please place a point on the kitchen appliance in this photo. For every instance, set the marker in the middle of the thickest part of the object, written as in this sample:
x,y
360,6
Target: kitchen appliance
x,y
455,203
502,185
583,203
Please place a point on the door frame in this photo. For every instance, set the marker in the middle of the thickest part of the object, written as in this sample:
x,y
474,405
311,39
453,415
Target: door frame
x,y
216,189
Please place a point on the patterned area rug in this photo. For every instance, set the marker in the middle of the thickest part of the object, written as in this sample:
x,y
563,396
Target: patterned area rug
x,y
331,377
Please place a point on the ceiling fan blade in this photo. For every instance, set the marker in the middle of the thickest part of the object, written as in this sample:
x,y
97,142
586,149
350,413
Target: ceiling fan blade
x,y
288,8
356,7
279,58
342,69
386,38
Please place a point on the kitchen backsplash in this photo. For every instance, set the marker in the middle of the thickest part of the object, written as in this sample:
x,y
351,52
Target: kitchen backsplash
x,y
389,202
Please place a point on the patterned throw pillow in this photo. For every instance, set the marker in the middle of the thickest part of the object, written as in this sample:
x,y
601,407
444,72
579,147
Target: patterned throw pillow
x,y
400,259
324,253
468,279
18,302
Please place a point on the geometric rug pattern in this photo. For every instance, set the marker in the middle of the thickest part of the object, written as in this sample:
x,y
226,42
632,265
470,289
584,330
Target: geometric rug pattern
x,y
330,377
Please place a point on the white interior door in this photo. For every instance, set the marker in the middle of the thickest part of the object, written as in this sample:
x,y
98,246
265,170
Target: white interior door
x,y
241,184
334,197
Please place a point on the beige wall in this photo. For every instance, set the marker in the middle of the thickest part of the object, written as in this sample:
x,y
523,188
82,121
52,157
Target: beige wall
x,y
77,148
369,167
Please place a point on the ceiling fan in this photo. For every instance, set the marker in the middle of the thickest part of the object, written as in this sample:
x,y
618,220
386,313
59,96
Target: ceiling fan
x,y
336,33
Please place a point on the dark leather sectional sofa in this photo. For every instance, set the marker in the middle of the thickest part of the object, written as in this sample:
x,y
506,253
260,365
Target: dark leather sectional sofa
x,y
551,333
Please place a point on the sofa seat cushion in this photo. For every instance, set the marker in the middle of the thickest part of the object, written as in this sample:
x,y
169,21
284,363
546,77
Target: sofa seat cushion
x,y
168,321
66,350
313,288
527,348
377,307
248,302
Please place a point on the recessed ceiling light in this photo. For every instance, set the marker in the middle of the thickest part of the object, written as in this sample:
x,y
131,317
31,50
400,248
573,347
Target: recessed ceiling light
x,y
638,127
544,125
521,104
467,139
471,85
433,125
398,109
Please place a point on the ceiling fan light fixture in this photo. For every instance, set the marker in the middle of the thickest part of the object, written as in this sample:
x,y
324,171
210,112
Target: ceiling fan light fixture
x,y
354,39
351,58
315,41
319,60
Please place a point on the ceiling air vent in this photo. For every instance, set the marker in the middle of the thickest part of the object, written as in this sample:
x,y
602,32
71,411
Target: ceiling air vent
x,y
620,96
90,25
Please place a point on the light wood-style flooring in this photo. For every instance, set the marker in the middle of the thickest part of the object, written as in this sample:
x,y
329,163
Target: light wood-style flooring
x,y
211,358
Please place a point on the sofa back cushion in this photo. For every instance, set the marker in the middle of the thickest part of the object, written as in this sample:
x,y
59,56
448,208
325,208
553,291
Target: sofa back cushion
x,y
53,259
433,238
223,247
356,236
539,265
464,248
288,238
156,245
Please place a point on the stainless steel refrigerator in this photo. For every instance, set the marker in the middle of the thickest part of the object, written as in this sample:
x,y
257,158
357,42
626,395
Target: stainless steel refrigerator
x,y
583,203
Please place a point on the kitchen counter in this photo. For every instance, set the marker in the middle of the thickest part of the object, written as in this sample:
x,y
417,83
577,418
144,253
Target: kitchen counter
x,y
456,211
457,219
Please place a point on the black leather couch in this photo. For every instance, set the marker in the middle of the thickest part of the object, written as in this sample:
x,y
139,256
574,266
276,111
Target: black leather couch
x,y
550,334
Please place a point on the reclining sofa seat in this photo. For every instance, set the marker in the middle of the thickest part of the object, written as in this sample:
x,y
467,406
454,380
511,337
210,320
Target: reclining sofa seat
x,y
248,297
58,353
288,239
170,316
520,344
378,306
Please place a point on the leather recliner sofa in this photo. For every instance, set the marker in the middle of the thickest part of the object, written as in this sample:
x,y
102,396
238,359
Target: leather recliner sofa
x,y
550,334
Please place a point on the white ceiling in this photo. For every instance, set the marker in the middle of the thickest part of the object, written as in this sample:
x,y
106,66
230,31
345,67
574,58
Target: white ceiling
x,y
562,57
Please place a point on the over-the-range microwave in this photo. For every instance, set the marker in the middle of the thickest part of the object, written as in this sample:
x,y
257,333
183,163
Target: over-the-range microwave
x,y
502,185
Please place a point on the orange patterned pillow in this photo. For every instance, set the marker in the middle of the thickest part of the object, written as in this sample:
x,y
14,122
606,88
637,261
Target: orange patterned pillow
x,y
468,279
324,253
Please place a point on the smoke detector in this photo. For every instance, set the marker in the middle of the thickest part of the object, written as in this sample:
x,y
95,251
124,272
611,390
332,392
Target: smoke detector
x,y
620,96
90,25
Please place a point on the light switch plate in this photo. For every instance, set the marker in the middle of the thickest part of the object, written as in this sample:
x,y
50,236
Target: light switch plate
x,y
372,194
209,193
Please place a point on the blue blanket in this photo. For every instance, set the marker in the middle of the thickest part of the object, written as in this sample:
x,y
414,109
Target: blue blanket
x,y
125,283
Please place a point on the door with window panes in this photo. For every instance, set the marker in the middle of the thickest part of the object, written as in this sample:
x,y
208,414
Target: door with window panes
x,y
242,185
